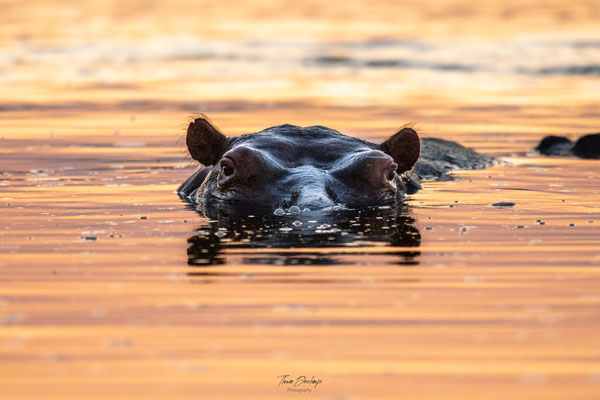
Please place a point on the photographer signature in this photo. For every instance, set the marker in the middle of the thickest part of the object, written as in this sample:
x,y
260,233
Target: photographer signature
x,y
299,384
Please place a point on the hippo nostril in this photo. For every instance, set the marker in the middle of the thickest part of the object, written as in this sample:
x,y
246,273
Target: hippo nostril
x,y
292,201
332,195
391,175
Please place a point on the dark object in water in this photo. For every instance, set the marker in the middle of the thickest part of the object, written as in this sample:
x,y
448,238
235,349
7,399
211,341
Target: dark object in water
x,y
504,204
315,167
587,146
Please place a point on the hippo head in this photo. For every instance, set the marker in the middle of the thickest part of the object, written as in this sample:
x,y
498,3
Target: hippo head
x,y
284,166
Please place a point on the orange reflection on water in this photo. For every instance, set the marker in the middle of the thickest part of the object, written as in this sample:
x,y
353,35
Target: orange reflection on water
x,y
97,298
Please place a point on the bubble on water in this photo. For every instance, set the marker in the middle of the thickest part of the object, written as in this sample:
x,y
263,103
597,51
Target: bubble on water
x,y
297,223
285,229
306,209
220,234
279,212
294,210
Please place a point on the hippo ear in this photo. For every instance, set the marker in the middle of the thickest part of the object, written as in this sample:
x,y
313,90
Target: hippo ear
x,y
404,147
204,142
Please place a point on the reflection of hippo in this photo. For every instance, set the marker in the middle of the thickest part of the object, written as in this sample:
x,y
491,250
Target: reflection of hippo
x,y
256,238
315,167
587,146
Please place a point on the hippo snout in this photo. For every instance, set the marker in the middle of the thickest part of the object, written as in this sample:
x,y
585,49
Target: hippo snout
x,y
314,199
311,188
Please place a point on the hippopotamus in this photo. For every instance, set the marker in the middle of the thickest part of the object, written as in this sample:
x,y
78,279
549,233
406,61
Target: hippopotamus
x,y
299,168
587,146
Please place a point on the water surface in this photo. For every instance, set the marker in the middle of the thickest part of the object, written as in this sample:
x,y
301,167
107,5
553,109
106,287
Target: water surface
x,y
112,286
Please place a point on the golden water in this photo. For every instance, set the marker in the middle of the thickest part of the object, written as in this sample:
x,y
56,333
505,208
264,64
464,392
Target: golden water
x,y
97,298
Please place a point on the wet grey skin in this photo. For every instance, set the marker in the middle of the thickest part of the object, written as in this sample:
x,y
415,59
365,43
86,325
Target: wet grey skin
x,y
314,167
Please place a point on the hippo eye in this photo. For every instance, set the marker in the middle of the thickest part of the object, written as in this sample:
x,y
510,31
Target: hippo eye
x,y
227,170
226,167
